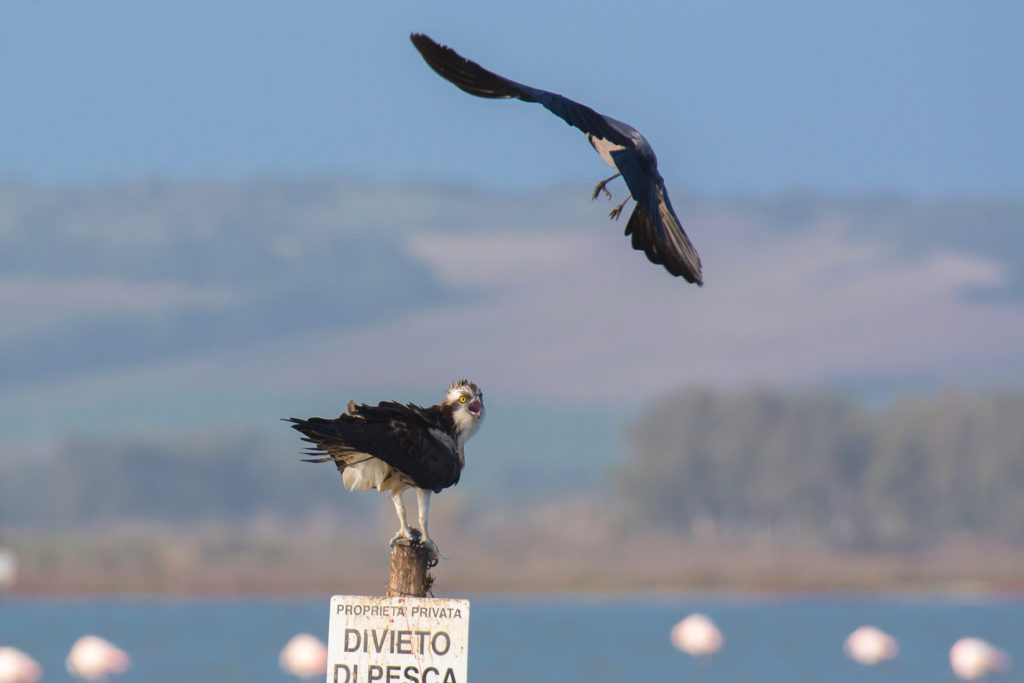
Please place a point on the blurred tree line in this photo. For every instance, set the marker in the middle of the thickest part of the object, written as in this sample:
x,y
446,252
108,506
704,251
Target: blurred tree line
x,y
813,467
825,468
231,478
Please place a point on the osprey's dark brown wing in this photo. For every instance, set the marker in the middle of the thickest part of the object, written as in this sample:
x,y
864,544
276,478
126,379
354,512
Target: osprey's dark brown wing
x,y
415,441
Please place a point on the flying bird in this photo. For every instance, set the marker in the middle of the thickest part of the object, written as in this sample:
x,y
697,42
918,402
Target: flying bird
x,y
392,447
654,227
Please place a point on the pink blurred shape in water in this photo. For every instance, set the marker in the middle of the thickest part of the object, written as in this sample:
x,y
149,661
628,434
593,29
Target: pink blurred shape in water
x,y
697,635
870,645
304,656
94,659
974,658
18,667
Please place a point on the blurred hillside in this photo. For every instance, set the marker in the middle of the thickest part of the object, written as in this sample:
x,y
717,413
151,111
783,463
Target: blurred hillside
x,y
158,302
157,332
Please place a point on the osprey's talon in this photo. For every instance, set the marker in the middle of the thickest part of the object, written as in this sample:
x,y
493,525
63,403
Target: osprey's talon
x,y
431,548
406,536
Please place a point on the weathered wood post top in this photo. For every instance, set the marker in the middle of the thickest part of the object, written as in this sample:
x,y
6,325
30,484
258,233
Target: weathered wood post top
x,y
410,563
403,635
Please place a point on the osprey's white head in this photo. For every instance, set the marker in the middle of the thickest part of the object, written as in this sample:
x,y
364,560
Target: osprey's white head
x,y
466,403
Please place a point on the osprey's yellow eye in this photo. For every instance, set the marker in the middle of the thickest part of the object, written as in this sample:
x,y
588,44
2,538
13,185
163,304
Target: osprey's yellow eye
x,y
463,399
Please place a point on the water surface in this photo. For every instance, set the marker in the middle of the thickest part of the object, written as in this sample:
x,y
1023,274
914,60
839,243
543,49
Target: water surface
x,y
552,639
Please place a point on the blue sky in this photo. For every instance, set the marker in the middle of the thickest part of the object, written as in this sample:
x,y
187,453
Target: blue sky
x,y
919,97
912,97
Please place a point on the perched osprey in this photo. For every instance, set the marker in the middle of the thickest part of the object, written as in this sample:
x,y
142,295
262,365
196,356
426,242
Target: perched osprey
x,y
653,224
391,447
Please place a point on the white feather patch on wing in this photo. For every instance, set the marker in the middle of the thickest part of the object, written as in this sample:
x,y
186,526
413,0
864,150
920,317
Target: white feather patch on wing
x,y
604,148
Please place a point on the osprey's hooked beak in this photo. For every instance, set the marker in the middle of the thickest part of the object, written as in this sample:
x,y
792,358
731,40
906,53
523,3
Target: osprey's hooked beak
x,y
474,407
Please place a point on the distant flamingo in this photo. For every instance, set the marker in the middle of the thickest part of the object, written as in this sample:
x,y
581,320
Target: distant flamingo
x,y
94,659
974,658
304,656
18,667
697,635
870,645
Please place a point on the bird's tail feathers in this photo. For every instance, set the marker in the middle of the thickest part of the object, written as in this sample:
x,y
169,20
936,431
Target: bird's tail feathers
x,y
682,258
313,431
664,242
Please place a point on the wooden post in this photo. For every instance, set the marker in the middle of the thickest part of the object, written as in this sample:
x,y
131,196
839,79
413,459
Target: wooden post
x,y
409,565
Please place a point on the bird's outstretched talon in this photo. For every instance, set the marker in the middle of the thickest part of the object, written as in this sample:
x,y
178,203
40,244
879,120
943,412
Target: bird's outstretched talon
x,y
601,188
614,213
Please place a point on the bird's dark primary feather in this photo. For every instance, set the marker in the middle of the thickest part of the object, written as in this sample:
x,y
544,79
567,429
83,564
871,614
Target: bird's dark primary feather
x,y
395,433
654,226
465,74
470,77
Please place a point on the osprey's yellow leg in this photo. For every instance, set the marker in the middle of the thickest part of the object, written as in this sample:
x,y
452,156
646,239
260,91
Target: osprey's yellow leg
x,y
405,532
423,504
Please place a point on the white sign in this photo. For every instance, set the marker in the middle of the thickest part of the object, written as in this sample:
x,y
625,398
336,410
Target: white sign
x,y
397,640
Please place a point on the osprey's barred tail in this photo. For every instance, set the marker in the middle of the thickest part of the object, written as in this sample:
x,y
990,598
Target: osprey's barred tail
x,y
307,427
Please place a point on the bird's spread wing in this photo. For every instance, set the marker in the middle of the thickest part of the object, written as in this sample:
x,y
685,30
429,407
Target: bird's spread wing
x,y
470,77
654,227
400,435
